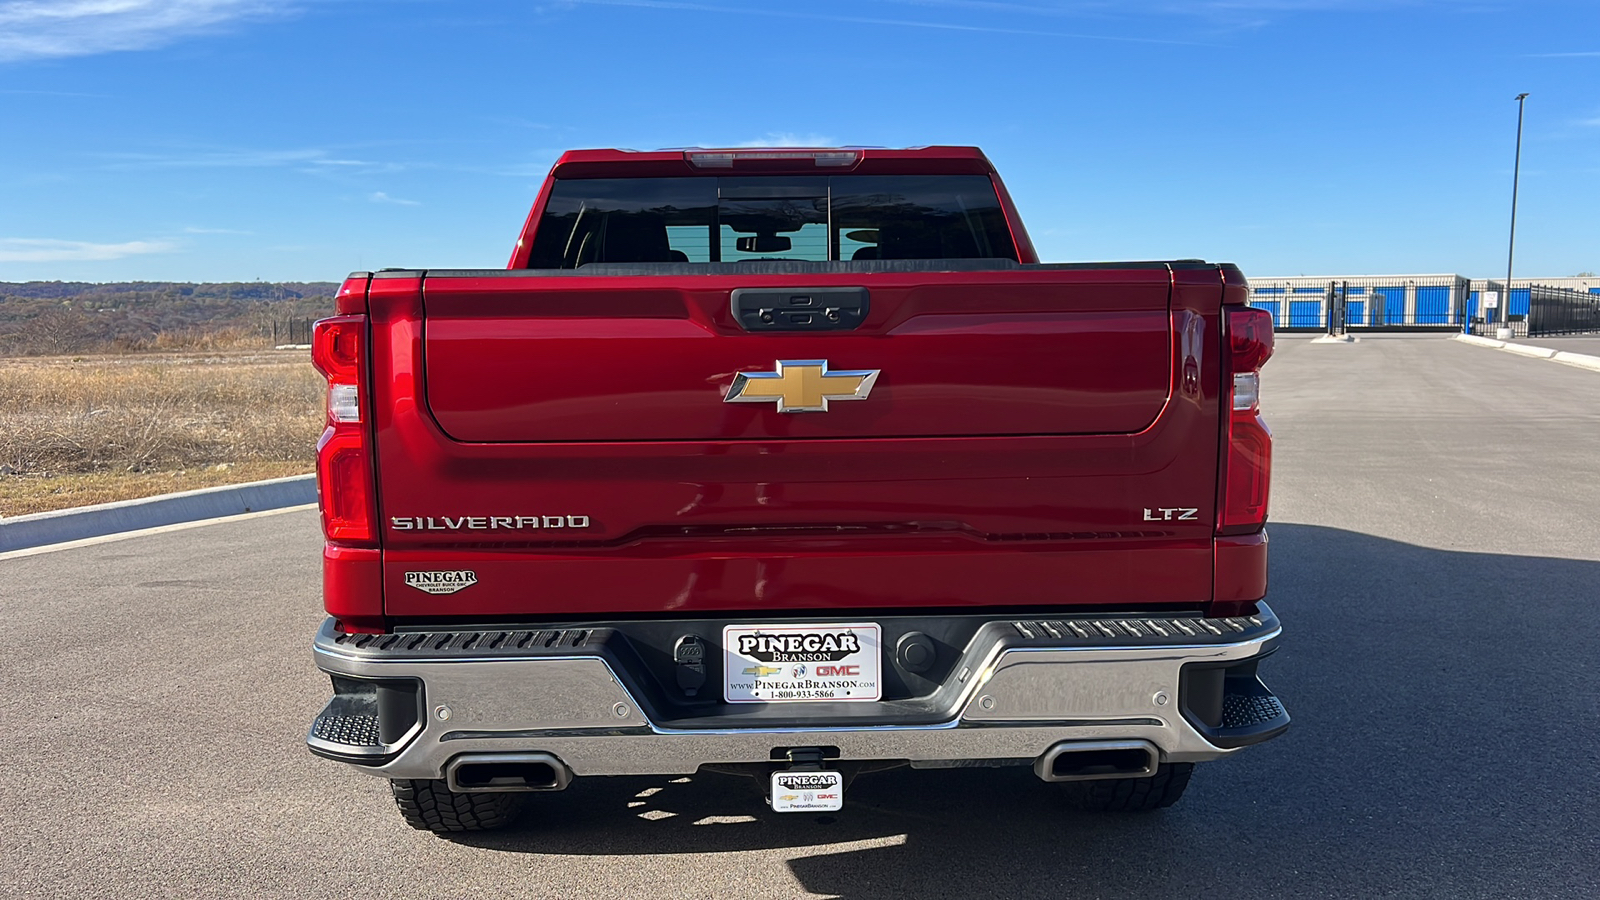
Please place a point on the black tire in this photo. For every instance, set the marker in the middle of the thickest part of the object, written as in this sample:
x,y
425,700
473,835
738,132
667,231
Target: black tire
x,y
427,805
1159,791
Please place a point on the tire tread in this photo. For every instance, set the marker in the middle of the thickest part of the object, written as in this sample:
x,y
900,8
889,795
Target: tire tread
x,y
427,805
1158,791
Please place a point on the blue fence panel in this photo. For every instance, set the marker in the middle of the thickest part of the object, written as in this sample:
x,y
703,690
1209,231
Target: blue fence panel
x,y
1305,313
1433,305
1519,301
1270,306
1472,304
1355,312
1392,309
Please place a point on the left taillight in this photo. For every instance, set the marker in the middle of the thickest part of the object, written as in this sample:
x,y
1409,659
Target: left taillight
x,y
344,458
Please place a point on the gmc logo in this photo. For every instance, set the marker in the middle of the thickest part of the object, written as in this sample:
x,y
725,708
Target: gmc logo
x,y
838,670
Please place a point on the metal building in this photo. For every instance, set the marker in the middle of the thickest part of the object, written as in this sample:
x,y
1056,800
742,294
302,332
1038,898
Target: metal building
x,y
1439,302
1370,301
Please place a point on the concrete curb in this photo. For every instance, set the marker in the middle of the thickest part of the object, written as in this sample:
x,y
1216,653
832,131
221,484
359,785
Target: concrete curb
x,y
38,529
1525,350
1580,360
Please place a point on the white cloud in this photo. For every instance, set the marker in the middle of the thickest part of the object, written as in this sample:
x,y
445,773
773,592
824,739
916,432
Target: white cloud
x,y
49,250
528,170
1215,17
790,139
26,93
35,29
245,158
862,20
381,197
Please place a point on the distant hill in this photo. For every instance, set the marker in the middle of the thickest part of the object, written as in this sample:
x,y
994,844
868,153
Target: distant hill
x,y
62,317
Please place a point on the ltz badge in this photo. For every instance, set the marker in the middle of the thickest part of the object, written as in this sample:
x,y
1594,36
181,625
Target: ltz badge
x,y
802,385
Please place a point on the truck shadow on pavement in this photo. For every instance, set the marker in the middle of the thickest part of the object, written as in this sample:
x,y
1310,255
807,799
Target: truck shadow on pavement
x,y
1444,745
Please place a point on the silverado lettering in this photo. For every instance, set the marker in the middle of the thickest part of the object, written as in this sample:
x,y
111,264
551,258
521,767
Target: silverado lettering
x,y
857,469
484,523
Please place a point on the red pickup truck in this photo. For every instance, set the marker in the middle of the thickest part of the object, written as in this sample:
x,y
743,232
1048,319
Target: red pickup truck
x,y
795,464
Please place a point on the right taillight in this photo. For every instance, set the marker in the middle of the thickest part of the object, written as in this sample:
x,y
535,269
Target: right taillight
x,y
1247,469
344,460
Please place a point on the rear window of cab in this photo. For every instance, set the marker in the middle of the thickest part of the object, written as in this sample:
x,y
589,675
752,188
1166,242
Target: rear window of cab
x,y
809,217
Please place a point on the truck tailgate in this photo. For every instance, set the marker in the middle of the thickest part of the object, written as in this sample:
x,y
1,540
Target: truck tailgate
x,y
564,439
620,359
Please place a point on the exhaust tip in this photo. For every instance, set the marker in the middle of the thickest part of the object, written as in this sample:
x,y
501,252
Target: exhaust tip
x,y
1094,760
482,773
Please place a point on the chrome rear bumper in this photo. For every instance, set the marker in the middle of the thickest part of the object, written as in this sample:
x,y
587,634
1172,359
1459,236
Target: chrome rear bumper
x,y
406,705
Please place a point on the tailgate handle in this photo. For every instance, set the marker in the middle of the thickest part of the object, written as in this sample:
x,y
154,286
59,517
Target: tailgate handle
x,y
800,309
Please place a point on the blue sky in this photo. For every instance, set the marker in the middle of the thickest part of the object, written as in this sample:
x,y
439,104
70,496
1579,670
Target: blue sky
x,y
301,139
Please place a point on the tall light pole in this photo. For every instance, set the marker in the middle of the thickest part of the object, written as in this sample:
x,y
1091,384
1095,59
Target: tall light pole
x,y
1511,248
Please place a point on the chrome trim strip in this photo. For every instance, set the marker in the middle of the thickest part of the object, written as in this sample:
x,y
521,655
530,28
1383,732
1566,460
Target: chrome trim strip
x,y
561,776
1044,766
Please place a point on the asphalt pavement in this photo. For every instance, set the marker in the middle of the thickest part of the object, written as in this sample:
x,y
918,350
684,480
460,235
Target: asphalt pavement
x,y
1435,559
1588,344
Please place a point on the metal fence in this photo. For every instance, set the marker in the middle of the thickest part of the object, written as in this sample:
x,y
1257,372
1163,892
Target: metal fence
x,y
1368,303
291,332
1554,310
1534,309
1489,306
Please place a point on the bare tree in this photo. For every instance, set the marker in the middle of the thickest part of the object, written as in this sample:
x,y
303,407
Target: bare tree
x,y
54,332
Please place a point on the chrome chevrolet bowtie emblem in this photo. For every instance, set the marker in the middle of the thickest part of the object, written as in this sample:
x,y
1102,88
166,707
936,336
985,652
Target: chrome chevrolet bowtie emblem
x,y
801,385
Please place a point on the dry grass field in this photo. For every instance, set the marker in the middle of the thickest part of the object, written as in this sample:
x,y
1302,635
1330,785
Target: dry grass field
x,y
81,430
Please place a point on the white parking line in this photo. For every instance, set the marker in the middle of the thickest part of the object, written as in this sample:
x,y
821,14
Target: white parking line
x,y
160,529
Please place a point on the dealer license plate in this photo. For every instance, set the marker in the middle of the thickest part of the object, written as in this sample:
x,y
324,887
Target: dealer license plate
x,y
769,663
807,792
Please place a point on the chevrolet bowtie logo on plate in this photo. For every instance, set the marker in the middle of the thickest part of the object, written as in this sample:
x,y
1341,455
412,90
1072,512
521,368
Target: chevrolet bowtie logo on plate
x,y
801,385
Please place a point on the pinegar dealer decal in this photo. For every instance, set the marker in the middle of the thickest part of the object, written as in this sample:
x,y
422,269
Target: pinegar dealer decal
x,y
442,582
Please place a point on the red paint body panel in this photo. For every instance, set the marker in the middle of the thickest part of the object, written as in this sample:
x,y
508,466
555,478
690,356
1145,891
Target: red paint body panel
x,y
700,525
352,586
623,359
859,574
1241,573
1039,437
352,296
